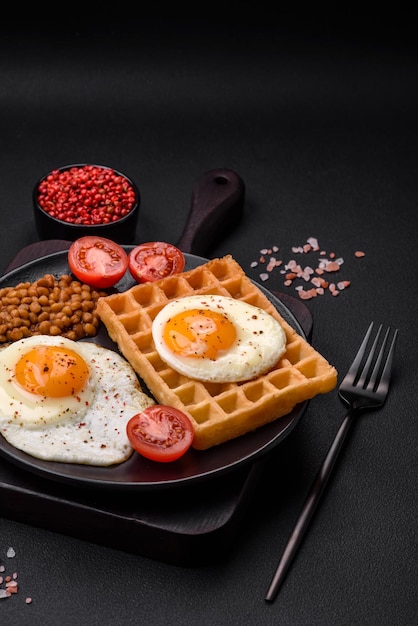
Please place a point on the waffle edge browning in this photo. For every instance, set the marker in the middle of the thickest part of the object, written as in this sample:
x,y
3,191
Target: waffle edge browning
x,y
218,411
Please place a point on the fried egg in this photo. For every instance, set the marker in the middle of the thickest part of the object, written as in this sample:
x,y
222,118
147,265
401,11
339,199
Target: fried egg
x,y
217,338
68,401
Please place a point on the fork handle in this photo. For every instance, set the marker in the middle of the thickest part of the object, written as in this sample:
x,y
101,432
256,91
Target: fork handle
x,y
309,506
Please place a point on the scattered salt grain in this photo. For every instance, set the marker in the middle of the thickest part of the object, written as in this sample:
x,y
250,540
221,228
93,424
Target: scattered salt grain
x,y
313,242
8,582
293,271
271,264
332,266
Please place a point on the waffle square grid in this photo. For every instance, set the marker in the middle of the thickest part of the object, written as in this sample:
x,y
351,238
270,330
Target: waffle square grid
x,y
219,411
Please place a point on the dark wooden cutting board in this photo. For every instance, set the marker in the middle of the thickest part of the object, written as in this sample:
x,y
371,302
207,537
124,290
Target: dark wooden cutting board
x,y
188,525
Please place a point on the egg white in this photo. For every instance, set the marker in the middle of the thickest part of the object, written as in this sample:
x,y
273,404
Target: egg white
x,y
32,410
260,340
92,432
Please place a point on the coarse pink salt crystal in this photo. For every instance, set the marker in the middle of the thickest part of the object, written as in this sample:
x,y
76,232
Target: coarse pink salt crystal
x,y
332,266
359,254
271,264
264,277
28,600
313,242
12,586
343,284
317,281
307,295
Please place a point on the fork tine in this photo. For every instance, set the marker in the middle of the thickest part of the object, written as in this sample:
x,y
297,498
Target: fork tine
x,y
374,375
355,365
367,366
383,386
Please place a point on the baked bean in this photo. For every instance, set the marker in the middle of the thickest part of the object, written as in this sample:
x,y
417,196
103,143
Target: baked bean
x,y
48,306
15,334
34,306
23,311
44,327
43,299
87,317
43,316
90,330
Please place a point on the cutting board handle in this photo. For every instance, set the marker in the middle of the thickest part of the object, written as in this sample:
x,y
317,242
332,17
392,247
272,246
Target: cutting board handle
x,y
216,205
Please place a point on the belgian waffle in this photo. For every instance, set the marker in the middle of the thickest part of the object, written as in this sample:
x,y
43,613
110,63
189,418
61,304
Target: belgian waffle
x,y
218,411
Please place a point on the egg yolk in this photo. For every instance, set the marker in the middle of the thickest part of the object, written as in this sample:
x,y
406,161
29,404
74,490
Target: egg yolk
x,y
52,371
199,333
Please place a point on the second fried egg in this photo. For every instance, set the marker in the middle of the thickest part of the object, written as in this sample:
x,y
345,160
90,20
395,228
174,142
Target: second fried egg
x,y
68,401
217,338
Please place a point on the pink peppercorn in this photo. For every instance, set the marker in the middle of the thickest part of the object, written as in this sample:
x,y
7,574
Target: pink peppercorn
x,y
87,194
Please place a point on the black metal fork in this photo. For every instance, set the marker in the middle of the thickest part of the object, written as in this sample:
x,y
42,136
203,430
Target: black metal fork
x,y
365,386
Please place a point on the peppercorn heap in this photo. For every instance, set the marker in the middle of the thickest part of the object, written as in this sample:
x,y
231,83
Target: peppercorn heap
x,y
86,194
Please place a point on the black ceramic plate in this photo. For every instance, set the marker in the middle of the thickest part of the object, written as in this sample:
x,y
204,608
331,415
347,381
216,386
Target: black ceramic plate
x,y
138,473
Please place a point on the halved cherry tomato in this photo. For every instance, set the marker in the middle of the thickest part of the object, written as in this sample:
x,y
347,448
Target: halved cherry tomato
x,y
97,261
160,433
154,260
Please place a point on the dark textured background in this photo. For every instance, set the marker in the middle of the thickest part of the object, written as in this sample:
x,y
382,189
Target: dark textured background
x,y
319,118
